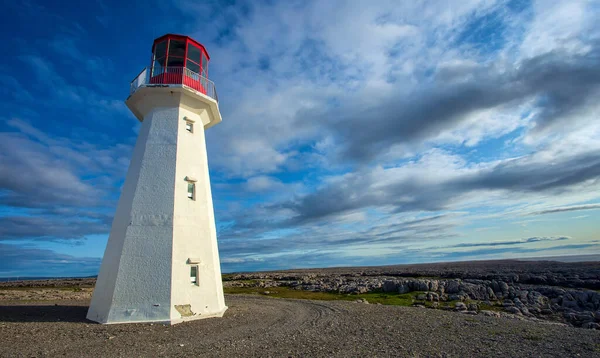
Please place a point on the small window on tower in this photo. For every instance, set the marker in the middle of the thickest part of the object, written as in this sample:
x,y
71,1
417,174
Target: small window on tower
x,y
194,275
192,191
189,126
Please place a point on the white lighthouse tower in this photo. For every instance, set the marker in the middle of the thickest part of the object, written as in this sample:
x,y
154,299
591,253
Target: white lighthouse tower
x,y
161,262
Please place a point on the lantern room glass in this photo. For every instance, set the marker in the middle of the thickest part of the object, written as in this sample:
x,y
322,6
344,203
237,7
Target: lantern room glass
x,y
172,55
179,60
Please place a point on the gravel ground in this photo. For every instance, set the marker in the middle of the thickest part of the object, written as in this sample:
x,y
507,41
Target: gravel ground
x,y
270,327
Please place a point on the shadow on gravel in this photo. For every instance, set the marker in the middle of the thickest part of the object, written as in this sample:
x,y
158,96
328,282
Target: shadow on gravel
x,y
19,313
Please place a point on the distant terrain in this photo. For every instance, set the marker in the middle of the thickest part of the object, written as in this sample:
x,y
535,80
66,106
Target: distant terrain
x,y
567,292
468,309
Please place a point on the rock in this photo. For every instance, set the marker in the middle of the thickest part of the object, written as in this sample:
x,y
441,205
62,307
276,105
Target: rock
x,y
503,287
572,304
390,286
459,306
508,303
523,295
517,302
590,325
495,287
452,286
420,285
513,310
489,313
421,297
584,317
403,288
433,297
490,294
473,307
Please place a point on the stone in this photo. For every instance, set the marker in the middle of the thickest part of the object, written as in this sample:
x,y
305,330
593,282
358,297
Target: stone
x,y
420,285
473,307
518,303
490,294
513,310
489,313
433,297
590,325
452,286
459,306
508,303
390,286
572,304
494,286
403,288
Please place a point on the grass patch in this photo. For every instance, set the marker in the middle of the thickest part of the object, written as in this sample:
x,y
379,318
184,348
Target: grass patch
x,y
282,292
492,307
384,298
286,292
533,337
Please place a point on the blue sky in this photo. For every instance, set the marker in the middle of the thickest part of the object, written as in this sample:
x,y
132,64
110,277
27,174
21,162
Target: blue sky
x,y
353,133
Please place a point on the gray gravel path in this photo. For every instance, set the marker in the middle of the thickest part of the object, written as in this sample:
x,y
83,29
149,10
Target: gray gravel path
x,y
268,327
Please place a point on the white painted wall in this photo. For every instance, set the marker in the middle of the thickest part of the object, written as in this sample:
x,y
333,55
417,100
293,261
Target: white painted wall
x,y
194,226
156,229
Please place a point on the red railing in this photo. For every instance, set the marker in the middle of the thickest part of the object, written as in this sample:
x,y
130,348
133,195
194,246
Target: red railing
x,y
175,76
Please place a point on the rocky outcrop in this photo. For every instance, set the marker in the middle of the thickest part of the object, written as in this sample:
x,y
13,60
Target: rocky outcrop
x,y
579,307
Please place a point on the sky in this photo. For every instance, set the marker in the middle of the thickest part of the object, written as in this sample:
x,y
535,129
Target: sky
x,y
354,132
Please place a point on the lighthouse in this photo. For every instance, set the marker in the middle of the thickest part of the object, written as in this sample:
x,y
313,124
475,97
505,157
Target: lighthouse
x,y
161,262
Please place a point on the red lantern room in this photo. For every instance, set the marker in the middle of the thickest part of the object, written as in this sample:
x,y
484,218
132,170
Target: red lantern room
x,y
179,65
178,59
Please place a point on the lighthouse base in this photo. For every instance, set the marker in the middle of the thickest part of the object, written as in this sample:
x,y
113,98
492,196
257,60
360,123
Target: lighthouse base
x,y
199,316
171,321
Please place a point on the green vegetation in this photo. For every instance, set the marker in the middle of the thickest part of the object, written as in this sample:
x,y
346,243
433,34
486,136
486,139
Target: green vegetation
x,y
493,307
286,292
384,298
533,337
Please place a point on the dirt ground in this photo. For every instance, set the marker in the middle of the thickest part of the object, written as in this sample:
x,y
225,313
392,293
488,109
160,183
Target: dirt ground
x,y
258,326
